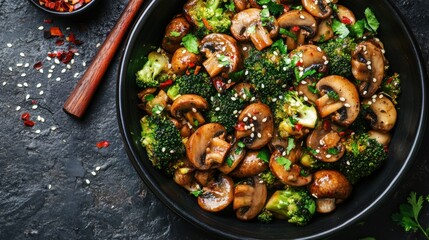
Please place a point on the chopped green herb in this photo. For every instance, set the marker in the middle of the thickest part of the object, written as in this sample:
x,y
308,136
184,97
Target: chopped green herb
x,y
312,88
264,155
190,42
333,95
371,20
290,145
286,163
241,144
223,60
251,29
280,45
149,97
229,161
197,193
157,109
358,28
333,151
284,31
174,34
340,28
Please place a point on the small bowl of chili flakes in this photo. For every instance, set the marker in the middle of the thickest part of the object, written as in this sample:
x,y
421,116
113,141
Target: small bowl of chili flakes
x,y
64,7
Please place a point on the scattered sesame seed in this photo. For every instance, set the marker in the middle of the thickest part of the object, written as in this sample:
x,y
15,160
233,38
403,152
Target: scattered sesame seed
x,y
301,16
25,84
233,98
342,99
245,119
93,173
252,99
252,135
320,50
326,62
48,58
49,186
10,69
50,70
283,153
76,75
84,64
217,109
234,112
249,115
347,105
41,28
26,65
244,48
18,108
381,96
368,63
194,110
259,135
262,85
21,54
72,61
19,85
171,151
98,45
56,61
68,66
374,79
87,181
163,149
317,151
97,168
34,107
305,98
53,128
41,92
254,118
58,79
23,75
49,75
246,72
264,119
37,131
19,64
63,70
365,92
4,83
9,45
303,82
27,97
328,155
41,70
369,67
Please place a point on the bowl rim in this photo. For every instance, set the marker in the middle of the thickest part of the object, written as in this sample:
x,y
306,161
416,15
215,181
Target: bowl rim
x,y
64,14
133,156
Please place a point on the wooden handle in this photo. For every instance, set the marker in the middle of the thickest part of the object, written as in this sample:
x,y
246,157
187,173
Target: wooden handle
x,y
80,98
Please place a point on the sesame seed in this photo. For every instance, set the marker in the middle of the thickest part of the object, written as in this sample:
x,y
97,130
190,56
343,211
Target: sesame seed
x,y
305,98
373,100
41,70
10,69
98,45
326,62
301,16
244,96
23,75
18,108
244,48
322,142
57,61
163,149
303,82
194,110
84,64
41,92
342,99
249,115
347,105
319,49
34,107
49,186
97,168
328,155
19,85
253,129
63,70
19,64
233,98
374,79
259,135
262,85
26,65
217,109
381,96
252,99
22,54
264,119
369,67
254,118
72,61
317,151
252,135
171,151
68,66
4,83
25,84
374,96
235,112
50,70
27,97
93,173
283,153
9,45
58,79
368,63
49,75
76,75
37,131
245,119
87,181
40,28
246,72
365,92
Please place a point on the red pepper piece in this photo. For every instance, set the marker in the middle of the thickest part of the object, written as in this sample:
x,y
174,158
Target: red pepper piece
x,y
38,65
327,125
298,127
165,84
103,144
25,116
240,126
29,123
56,31
346,20
295,28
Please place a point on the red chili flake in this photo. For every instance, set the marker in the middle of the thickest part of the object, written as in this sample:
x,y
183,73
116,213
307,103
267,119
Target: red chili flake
x,y
67,57
346,20
47,21
191,64
299,63
240,126
38,65
29,123
295,28
25,116
165,84
326,125
102,144
59,42
298,127
52,55
34,102
286,7
218,84
56,32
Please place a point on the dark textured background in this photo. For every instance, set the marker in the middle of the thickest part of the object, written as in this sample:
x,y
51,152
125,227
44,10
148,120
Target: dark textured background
x,y
56,184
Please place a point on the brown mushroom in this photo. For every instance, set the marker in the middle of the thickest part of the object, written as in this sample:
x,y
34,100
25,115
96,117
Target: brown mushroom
x,y
324,31
206,148
249,198
287,170
244,91
189,107
183,59
340,98
240,5
258,126
218,194
251,165
329,187
381,113
204,177
298,19
184,176
222,53
381,137
368,66
307,87
149,103
326,144
174,32
318,8
247,24
235,156
345,15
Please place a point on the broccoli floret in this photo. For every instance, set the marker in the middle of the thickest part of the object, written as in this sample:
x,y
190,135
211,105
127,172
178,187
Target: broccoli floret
x,y
311,163
162,140
363,156
154,71
293,112
391,86
210,16
339,52
294,204
269,71
265,216
268,177
191,83
225,109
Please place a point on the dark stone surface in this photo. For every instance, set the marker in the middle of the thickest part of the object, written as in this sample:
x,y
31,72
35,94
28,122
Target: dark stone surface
x,y
56,184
